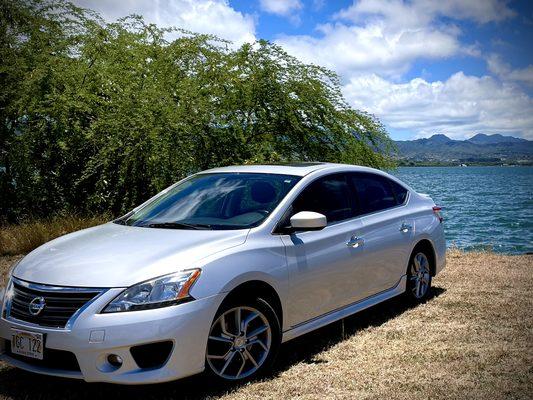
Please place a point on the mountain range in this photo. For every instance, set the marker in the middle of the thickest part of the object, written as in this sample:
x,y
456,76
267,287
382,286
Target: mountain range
x,y
479,149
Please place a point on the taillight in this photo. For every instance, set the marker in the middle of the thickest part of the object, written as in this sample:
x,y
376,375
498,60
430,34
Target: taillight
x,y
436,211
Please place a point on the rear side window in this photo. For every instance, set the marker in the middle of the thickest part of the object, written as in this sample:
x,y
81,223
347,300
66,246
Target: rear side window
x,y
374,192
399,191
329,196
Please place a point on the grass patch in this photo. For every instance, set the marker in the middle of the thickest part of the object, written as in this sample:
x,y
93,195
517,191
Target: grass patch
x,y
472,339
23,238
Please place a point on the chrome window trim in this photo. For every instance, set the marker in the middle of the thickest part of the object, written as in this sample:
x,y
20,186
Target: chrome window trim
x,y
50,289
275,229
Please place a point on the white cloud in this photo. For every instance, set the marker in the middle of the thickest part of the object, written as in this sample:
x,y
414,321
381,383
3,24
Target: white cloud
x,y
373,43
417,13
502,69
388,36
460,106
281,7
352,49
284,8
204,16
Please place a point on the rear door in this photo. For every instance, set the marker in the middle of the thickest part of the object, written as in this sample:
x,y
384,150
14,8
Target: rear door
x,y
387,229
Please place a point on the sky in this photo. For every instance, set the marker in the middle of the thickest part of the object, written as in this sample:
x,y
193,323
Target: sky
x,y
454,67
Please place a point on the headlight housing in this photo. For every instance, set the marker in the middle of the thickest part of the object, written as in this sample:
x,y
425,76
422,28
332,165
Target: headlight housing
x,y
160,292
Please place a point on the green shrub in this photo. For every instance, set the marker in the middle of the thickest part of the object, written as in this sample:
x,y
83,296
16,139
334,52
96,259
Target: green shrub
x,y
97,117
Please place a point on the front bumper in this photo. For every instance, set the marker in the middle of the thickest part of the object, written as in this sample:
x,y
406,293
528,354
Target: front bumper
x,y
93,336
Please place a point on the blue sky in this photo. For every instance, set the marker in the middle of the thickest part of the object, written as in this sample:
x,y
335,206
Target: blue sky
x,y
457,67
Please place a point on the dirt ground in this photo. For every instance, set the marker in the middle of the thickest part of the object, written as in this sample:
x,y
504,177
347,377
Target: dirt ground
x,y
473,339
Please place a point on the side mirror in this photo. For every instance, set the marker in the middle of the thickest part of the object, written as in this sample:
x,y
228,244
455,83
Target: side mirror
x,y
308,221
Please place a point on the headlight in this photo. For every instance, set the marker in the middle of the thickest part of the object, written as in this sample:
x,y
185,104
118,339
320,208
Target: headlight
x,y
160,292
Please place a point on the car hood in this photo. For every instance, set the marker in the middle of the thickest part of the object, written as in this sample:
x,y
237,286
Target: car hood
x,y
113,255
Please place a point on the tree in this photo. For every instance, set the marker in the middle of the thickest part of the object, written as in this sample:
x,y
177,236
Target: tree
x,y
97,117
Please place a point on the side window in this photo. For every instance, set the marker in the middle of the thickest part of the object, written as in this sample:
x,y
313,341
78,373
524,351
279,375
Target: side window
x,y
373,191
400,192
329,196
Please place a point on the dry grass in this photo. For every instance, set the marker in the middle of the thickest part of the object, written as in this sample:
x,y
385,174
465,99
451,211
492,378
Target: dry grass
x,y
23,238
473,340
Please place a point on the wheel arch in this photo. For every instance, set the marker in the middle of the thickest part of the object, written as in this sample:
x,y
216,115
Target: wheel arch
x,y
257,288
426,246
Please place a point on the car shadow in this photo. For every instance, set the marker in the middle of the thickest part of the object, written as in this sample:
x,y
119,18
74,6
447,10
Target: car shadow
x,y
18,384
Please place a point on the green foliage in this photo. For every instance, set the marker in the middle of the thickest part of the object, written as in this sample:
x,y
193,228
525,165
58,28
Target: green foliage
x,y
97,117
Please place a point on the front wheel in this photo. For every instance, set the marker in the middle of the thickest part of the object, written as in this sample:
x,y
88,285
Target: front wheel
x,y
419,277
243,340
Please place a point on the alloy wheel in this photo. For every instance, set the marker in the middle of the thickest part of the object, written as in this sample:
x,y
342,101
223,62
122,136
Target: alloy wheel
x,y
239,342
420,276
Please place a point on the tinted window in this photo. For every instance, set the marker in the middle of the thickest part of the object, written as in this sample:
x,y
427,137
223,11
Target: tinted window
x,y
329,196
374,192
215,201
399,191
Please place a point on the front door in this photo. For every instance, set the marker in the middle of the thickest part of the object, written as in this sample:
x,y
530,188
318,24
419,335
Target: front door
x,y
324,265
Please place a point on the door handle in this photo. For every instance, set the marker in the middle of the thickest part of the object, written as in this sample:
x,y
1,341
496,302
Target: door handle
x,y
406,228
355,242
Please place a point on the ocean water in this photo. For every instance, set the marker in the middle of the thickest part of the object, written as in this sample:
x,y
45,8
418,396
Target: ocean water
x,y
484,207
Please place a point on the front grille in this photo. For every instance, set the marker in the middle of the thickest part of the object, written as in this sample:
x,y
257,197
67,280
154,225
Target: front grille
x,y
52,358
61,303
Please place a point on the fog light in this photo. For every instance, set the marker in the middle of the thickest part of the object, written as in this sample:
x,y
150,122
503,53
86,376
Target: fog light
x,y
114,360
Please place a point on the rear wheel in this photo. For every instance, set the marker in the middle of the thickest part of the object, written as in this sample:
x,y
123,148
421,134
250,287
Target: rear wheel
x,y
243,340
419,276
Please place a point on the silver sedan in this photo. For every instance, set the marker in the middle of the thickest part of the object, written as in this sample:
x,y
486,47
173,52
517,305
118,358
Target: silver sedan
x,y
216,271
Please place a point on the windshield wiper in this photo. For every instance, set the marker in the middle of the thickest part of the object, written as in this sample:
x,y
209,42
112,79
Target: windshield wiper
x,y
178,225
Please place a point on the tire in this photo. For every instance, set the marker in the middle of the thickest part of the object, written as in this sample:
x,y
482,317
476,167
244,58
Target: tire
x,y
419,276
244,353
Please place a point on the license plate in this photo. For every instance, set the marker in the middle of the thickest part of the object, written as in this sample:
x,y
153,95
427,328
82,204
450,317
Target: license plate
x,y
28,344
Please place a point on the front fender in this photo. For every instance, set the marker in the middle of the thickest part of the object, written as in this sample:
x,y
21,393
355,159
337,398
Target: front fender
x,y
259,259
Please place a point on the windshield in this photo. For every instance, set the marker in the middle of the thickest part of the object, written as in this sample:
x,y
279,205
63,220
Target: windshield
x,y
215,201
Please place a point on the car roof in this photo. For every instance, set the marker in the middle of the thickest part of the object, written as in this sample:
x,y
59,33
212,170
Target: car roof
x,y
297,169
